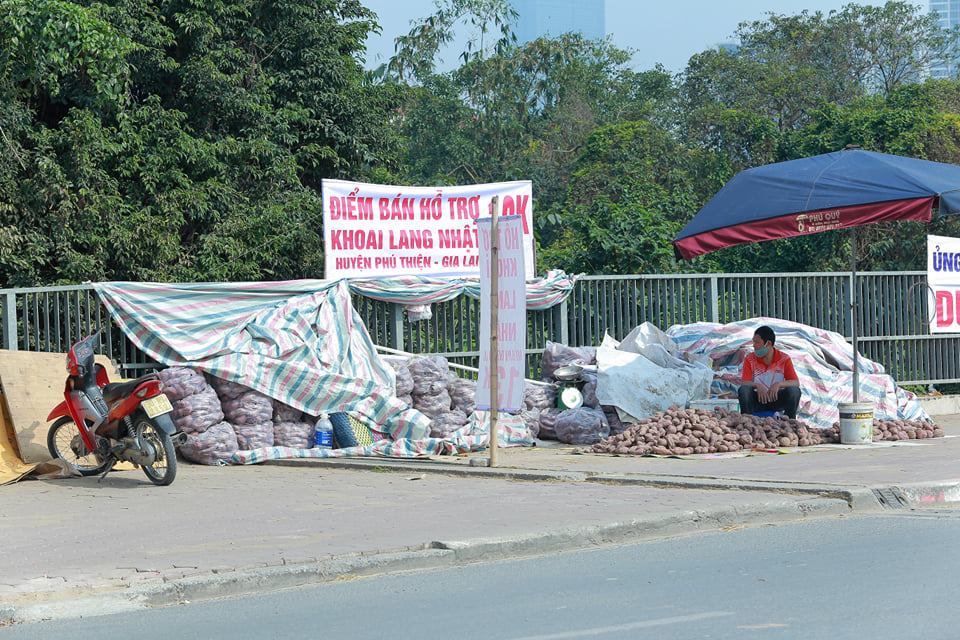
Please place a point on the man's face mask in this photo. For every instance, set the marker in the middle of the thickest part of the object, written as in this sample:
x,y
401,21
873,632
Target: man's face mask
x,y
762,351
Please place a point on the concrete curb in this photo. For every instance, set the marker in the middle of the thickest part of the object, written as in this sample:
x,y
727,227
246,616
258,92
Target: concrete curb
x,y
433,555
860,498
433,466
926,494
941,405
681,523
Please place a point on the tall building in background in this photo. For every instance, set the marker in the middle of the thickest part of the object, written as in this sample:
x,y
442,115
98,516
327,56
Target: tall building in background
x,y
948,12
555,17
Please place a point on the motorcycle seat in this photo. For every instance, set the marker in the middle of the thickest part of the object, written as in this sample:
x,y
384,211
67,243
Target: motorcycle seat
x,y
116,390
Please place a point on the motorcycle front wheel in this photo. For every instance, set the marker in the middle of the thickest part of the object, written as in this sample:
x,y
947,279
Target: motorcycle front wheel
x,y
64,443
164,467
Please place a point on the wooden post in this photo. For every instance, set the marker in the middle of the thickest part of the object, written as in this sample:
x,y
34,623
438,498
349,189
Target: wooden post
x,y
494,326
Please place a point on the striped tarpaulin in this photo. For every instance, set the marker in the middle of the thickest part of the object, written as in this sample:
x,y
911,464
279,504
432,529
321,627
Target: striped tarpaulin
x,y
511,432
542,293
300,342
823,360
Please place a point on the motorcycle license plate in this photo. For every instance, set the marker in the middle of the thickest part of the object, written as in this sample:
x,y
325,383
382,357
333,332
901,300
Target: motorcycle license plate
x,y
157,405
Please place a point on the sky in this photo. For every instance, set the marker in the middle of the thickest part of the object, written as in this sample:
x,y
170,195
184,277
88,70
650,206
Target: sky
x,y
661,31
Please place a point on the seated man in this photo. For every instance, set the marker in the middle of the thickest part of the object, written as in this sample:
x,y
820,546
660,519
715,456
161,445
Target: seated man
x,y
769,380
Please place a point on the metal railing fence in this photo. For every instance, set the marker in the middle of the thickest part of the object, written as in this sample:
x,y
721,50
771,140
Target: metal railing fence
x,y
892,317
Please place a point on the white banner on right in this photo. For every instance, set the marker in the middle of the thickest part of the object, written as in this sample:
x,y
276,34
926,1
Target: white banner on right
x,y
943,282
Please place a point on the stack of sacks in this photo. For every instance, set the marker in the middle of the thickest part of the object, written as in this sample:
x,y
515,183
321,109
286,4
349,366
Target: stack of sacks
x,y
214,446
430,395
536,398
404,380
250,412
180,382
589,390
548,423
197,413
617,426
291,428
583,425
463,393
556,355
446,423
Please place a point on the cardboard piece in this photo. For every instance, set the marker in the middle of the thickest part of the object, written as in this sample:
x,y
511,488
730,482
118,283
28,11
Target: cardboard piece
x,y
12,467
32,385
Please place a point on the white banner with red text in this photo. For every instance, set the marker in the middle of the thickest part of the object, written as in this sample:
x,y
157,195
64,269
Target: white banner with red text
x,y
943,282
372,230
511,315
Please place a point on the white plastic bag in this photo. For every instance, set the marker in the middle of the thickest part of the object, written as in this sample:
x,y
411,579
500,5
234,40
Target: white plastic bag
x,y
640,387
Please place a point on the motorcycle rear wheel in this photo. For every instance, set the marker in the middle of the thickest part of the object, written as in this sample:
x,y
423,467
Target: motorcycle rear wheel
x,y
59,438
164,467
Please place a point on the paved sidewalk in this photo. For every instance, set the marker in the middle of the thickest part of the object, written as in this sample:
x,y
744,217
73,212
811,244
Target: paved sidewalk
x,y
933,463
66,537
285,524
917,461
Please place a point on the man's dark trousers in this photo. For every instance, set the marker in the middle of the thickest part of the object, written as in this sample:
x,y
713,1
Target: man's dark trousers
x,y
788,400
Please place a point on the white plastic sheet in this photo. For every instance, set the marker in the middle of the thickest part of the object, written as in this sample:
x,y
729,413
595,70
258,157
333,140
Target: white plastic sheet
x,y
640,387
645,373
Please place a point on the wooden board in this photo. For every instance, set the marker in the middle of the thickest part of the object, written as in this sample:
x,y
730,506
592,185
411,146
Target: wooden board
x,y
32,384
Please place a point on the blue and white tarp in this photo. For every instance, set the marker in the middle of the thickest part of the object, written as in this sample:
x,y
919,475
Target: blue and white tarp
x,y
300,342
823,361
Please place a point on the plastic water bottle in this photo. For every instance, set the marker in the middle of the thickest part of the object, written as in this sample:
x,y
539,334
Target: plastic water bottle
x,y
323,432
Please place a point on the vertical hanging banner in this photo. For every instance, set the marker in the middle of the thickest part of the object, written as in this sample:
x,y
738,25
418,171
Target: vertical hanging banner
x,y
512,315
943,283
372,230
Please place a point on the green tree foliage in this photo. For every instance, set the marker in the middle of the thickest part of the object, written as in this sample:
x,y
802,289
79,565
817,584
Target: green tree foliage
x,y
187,139
180,140
624,204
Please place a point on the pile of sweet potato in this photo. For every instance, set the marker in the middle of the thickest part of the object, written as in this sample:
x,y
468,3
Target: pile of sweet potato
x,y
694,431
903,430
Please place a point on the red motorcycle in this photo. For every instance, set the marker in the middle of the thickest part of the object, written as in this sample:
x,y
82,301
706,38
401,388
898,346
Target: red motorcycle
x,y
101,423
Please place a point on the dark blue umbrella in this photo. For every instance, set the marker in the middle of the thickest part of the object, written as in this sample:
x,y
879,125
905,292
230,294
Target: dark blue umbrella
x,y
831,191
840,190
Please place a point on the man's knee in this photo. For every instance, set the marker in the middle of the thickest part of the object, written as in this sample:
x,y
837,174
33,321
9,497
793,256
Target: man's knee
x,y
791,394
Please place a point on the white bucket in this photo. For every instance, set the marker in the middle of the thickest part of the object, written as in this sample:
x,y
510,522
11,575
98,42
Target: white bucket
x,y
856,422
709,404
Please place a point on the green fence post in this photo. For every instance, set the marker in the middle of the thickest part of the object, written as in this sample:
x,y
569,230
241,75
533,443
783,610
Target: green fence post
x,y
564,324
396,326
714,293
10,321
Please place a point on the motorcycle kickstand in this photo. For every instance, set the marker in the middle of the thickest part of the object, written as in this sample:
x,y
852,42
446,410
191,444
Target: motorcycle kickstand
x,y
110,466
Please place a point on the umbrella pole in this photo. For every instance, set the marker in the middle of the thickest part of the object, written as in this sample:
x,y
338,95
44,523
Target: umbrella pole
x,y
854,299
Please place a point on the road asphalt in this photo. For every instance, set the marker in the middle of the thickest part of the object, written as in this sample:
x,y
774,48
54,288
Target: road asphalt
x,y
809,580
